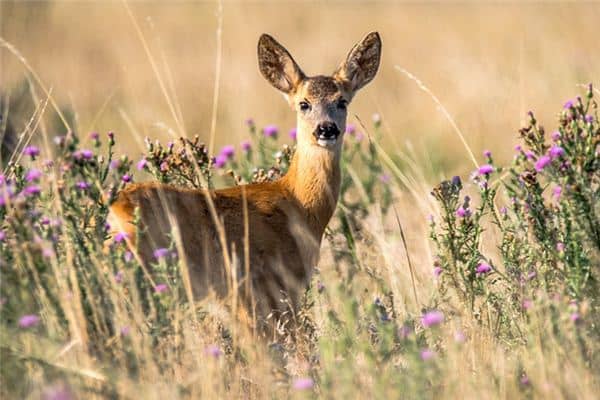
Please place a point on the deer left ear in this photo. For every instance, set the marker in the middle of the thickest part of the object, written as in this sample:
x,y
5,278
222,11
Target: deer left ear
x,y
361,64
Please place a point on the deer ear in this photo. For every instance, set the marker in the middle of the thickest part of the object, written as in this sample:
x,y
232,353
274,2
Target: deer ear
x,y
277,65
361,64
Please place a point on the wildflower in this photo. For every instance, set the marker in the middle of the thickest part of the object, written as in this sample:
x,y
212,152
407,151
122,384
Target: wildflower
x,y
125,331
164,166
405,331
293,133
227,151
483,268
246,146
459,337
84,154
432,318
119,277
568,104
220,161
28,321
31,190
161,288
33,175
385,178
555,135
487,153
437,271
83,185
128,256
303,384
575,317
141,164
213,350
589,119
456,181
541,163
503,210
95,136
270,131
560,246
527,304
126,178
111,135
486,169
427,354
525,380
115,164
518,148
31,151
556,192
249,122
530,155
161,253
556,152
2,235
350,129
120,237
462,212
359,136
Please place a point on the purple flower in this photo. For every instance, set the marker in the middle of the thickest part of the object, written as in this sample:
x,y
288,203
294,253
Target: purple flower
x,y
303,384
541,163
111,135
556,151
385,178
483,268
246,146
518,148
125,331
128,256
83,185
119,277
249,122
293,133
350,129
486,169
575,317
556,192
94,136
568,104
114,164
121,237
560,246
555,135
527,304
31,151
83,154
213,350
161,253
530,155
462,212
126,178
270,131
359,136
33,175
432,318
487,153
459,337
161,288
227,151
28,321
525,380
141,164
31,190
2,235
427,354
220,161
164,166
437,271
589,118
405,331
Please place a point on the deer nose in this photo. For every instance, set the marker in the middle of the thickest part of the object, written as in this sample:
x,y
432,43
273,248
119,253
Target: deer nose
x,y
327,130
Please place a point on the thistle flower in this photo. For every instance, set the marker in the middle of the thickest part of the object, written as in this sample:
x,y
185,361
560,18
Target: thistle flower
x,y
303,384
83,185
486,169
220,161
126,178
385,178
31,190
227,151
556,152
560,247
161,253
95,136
249,122
28,321
125,331
568,104
83,154
555,135
462,212
527,304
141,164
556,192
161,288
350,129
575,317
31,151
589,119
270,131
542,163
246,146
437,271
432,318
213,350
119,277
120,237
164,166
487,153
427,354
459,337
483,268
33,175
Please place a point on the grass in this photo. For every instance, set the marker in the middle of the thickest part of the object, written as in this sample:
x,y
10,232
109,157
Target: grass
x,y
416,295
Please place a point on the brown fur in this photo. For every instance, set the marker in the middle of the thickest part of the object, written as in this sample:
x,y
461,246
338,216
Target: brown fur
x,y
286,218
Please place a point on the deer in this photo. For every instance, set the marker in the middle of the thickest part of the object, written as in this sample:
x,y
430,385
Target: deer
x,y
276,227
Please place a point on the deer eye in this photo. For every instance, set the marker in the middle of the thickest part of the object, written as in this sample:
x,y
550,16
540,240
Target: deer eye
x,y
304,106
342,104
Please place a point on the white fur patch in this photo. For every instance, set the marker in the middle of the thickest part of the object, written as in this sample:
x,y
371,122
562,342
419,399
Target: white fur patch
x,y
326,142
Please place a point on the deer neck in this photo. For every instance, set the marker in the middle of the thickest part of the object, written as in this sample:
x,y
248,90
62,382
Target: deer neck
x,y
314,181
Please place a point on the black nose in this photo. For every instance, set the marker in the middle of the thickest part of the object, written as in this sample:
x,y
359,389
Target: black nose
x,y
327,130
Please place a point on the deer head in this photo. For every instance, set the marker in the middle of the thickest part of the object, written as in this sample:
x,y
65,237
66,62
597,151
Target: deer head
x,y
320,101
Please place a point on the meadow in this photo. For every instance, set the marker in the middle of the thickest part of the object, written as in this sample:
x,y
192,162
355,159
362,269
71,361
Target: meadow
x,y
462,261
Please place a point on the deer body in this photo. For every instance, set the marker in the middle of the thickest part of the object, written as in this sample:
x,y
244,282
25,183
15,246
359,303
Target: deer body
x,y
286,218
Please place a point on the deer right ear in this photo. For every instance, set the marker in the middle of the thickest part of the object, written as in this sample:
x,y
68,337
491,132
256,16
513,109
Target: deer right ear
x,y
277,65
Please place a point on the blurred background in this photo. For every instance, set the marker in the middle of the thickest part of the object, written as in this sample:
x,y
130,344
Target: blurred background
x,y
488,65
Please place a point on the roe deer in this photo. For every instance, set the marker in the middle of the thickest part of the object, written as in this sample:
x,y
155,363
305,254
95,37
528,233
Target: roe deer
x,y
286,218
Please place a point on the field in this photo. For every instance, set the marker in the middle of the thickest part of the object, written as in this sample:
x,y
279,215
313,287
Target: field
x,y
420,292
